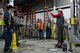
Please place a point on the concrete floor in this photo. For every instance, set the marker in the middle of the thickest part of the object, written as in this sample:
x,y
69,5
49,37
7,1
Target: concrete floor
x,y
37,46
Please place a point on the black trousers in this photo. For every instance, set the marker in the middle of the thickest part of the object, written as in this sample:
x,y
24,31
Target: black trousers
x,y
60,34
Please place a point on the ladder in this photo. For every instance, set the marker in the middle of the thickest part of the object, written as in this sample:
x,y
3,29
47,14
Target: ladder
x,y
33,16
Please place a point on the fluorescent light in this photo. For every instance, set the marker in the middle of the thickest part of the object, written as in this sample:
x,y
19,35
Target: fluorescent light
x,y
71,0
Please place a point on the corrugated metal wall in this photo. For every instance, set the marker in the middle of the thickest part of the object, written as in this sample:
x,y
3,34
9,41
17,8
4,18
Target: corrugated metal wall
x,y
62,2
50,4
40,6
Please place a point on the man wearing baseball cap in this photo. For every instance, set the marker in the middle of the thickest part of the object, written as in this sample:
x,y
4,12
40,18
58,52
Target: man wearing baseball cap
x,y
8,28
60,27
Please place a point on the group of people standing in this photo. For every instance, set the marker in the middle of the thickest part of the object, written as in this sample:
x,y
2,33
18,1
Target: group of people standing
x,y
50,30
48,27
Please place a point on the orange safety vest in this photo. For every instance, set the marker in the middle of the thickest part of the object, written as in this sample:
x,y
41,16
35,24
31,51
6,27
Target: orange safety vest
x,y
40,25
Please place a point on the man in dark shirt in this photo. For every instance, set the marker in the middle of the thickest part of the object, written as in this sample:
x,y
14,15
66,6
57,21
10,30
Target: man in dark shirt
x,y
8,28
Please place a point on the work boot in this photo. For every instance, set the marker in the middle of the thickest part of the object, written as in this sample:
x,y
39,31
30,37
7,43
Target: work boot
x,y
10,50
18,44
59,45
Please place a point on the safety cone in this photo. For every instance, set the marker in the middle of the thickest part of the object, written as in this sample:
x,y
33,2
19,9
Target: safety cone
x,y
13,43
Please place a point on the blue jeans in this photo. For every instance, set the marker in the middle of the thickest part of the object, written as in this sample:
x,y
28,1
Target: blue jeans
x,y
41,36
48,33
8,38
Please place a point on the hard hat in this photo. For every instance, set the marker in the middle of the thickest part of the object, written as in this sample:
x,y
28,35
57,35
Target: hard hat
x,y
10,6
59,9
